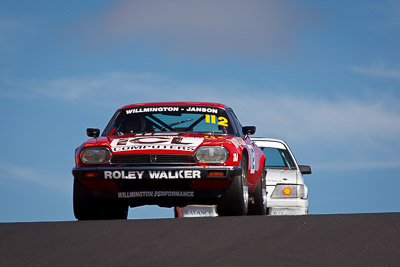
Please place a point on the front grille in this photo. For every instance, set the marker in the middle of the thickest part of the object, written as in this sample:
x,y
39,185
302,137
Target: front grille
x,y
153,159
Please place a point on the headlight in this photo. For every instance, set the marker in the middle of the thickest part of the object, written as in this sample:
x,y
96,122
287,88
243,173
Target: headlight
x,y
212,154
289,191
95,155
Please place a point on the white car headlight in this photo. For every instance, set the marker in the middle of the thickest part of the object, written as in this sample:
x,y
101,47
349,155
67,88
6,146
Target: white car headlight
x,y
95,155
289,191
212,154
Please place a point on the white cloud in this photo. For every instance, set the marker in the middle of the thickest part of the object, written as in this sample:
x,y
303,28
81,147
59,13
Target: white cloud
x,y
384,15
351,166
33,176
323,118
7,27
348,133
358,130
281,113
378,71
207,27
114,85
14,32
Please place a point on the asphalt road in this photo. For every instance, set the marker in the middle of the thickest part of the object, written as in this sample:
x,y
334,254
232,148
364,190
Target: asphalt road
x,y
313,240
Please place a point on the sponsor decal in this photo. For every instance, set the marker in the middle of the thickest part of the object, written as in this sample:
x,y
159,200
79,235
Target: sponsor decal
x,y
132,175
252,159
156,142
235,157
143,194
235,142
198,213
160,147
171,109
123,174
152,109
202,110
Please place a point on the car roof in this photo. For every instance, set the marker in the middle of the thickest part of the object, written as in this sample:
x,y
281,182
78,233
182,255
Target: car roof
x,y
267,139
270,142
209,104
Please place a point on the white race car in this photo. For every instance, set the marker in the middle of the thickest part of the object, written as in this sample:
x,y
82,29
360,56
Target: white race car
x,y
286,192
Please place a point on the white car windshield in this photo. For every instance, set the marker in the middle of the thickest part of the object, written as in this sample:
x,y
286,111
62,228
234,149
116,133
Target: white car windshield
x,y
278,158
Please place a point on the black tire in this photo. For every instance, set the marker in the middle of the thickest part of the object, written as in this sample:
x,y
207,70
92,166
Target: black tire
x,y
235,199
259,196
87,208
176,212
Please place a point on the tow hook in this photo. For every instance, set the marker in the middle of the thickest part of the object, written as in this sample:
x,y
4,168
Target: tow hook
x,y
251,200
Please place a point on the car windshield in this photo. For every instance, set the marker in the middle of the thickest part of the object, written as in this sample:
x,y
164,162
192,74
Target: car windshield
x,y
278,158
149,119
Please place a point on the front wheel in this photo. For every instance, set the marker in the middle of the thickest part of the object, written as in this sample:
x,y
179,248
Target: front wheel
x,y
87,208
235,200
259,196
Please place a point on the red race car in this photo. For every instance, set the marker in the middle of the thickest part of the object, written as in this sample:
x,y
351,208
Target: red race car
x,y
171,155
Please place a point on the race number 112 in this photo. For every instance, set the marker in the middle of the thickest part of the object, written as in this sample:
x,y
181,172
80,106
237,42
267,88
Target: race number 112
x,y
213,119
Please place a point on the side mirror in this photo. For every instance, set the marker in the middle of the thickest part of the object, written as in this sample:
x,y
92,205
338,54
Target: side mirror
x,y
305,169
249,130
93,132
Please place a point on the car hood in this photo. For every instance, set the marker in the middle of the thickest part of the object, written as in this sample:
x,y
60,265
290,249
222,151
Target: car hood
x,y
163,142
278,176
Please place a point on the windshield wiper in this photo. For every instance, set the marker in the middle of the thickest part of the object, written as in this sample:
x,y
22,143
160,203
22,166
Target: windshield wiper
x,y
179,122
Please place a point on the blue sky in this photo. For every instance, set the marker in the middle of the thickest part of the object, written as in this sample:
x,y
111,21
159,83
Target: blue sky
x,y
322,75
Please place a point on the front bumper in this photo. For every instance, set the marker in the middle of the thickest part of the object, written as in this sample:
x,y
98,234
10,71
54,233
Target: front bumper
x,y
295,206
285,206
163,186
